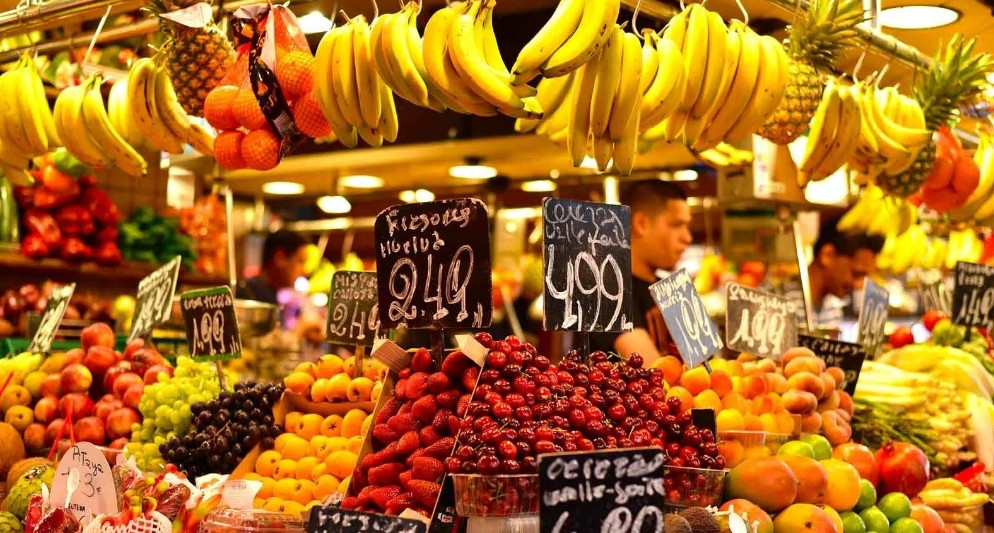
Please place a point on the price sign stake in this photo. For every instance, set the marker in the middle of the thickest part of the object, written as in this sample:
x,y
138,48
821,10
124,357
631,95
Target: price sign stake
x,y
211,324
353,312
873,317
610,491
155,299
329,519
973,295
587,261
845,355
758,322
933,291
683,311
58,300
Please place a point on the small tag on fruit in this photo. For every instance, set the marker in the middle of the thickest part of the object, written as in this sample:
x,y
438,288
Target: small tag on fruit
x,y
414,515
390,354
239,493
473,349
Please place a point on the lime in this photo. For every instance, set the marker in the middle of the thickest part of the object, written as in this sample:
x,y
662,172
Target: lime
x,y
906,525
852,523
875,520
895,506
796,447
821,446
867,495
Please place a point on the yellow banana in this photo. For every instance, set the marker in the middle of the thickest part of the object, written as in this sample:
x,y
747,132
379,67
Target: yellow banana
x,y
769,89
79,143
552,92
629,93
603,152
324,85
141,103
37,91
608,81
110,142
743,83
120,118
579,119
664,95
590,35
561,26
344,82
388,125
716,68
367,79
400,57
439,67
12,128
823,127
845,138
175,118
696,127
695,53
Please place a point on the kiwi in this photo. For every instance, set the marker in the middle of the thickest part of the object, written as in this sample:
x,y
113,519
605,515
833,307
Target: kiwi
x,y
700,520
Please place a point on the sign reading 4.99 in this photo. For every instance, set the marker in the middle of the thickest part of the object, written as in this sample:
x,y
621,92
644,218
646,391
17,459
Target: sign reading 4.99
x,y
973,297
211,324
873,317
433,265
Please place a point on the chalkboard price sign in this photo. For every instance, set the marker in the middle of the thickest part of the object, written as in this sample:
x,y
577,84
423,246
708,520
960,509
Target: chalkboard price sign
x,y
353,312
155,299
932,288
973,296
691,327
759,322
845,355
433,265
608,491
211,325
329,519
873,317
587,260
51,317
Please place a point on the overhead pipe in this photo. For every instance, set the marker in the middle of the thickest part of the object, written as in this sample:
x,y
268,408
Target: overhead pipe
x,y
24,19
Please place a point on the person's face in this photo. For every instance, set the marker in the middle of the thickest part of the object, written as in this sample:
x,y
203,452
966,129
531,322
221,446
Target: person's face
x,y
864,263
290,267
665,235
840,281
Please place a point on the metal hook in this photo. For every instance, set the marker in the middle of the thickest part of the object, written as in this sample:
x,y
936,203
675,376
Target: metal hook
x,y
683,6
859,63
745,14
376,10
93,41
635,16
344,16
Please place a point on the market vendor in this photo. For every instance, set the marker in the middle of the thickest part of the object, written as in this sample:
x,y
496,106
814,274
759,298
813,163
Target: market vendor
x,y
830,276
284,257
660,233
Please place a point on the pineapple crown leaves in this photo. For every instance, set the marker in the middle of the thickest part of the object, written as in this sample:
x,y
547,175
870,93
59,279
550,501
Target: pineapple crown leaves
x,y
956,75
828,27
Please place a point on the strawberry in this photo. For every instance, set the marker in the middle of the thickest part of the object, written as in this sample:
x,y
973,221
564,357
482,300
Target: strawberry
x,y
389,452
448,398
424,409
406,407
417,386
428,436
384,494
404,373
405,477
400,389
365,496
428,469
398,503
372,459
403,423
385,474
455,364
425,493
454,425
384,433
469,378
463,404
421,362
438,383
410,458
442,448
389,409
350,502
408,443
441,421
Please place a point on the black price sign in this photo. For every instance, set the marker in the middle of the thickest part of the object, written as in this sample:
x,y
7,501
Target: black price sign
x,y
433,265
845,355
329,519
58,300
587,260
610,491
932,288
973,296
873,317
759,322
353,313
692,329
211,325
155,299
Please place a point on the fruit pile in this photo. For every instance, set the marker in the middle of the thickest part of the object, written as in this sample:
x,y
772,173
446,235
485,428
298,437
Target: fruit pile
x,y
334,380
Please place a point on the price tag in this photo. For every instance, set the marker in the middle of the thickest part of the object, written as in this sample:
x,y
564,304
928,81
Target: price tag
x,y
155,299
353,312
873,317
610,491
973,296
328,519
58,300
845,355
96,493
932,288
433,265
692,329
211,324
758,322
587,261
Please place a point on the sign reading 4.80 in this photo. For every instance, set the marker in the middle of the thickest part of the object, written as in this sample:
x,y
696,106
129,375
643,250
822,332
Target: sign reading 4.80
x,y
211,324
691,327
433,265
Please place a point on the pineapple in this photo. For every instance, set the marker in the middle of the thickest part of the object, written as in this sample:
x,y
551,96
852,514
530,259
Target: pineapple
x,y
956,75
813,44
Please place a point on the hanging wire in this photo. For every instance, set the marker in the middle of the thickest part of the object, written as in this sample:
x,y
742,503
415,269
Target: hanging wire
x,y
344,16
745,14
859,63
93,41
635,16
376,10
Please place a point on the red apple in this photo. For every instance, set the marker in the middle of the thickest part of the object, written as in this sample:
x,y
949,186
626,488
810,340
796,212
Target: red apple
x,y
104,408
90,429
52,430
119,444
99,359
152,374
124,382
132,347
146,358
34,437
78,404
51,385
133,395
47,409
73,356
112,373
97,334
76,378
120,421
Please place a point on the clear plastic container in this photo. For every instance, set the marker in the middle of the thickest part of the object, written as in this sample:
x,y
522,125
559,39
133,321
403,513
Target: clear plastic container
x,y
737,446
692,487
228,520
963,519
496,496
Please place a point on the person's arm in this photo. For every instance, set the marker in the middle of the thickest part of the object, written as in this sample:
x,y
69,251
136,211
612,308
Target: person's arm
x,y
637,341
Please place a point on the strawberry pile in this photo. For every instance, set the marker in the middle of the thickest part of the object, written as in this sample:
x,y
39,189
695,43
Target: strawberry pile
x,y
412,435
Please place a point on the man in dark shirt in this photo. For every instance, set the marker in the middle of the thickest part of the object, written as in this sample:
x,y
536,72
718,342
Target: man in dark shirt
x,y
660,234
284,256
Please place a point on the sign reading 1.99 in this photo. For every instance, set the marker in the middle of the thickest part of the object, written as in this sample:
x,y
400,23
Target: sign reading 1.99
x,y
211,324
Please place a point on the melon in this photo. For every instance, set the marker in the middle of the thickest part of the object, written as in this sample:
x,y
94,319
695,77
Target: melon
x,y
23,466
11,448
766,481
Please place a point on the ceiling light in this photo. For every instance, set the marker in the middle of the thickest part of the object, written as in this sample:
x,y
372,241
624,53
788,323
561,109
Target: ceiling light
x,y
538,186
421,195
361,181
687,174
554,173
407,196
917,17
282,187
334,205
314,22
472,172
591,163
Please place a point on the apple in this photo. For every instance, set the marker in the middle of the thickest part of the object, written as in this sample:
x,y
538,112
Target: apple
x,y
119,444
76,378
14,395
90,429
124,382
77,404
132,347
34,437
105,407
99,359
73,356
146,358
120,421
133,395
112,373
52,430
47,409
152,374
97,334
52,385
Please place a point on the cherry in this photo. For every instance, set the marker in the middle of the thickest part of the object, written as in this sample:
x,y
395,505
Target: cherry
x,y
674,404
673,449
501,346
710,449
511,370
523,385
693,462
524,448
641,437
635,361
478,409
687,451
577,418
513,341
492,397
543,432
453,464
482,423
568,365
584,444
625,442
529,399
488,465
676,461
593,413
544,380
474,440
617,412
611,396
510,467
647,402
684,417
515,399
559,421
577,402
706,435
496,360
469,467
652,427
502,387
492,435
709,462
542,410
543,394
544,446
570,446
598,357
541,362
691,437
561,406
719,462
516,358
502,410
635,388
466,452
527,435
529,465
596,377
484,338
523,413
597,399
564,377
507,450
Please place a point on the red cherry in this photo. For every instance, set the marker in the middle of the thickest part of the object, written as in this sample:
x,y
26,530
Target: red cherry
x,y
515,399
502,410
523,413
513,341
577,418
488,465
635,361
541,362
465,452
617,412
496,360
516,358
510,467
484,338
544,446
507,450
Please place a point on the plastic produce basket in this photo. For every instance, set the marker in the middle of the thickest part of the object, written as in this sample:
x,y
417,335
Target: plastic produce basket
x,y
496,496
692,487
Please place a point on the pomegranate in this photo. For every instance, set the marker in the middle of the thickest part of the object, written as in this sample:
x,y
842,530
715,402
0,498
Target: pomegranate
x,y
902,467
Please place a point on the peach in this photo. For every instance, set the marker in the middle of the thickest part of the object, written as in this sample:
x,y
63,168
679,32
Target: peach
x,y
799,402
844,415
811,423
767,403
756,385
830,402
807,382
830,384
767,365
794,353
835,429
838,374
845,402
813,365
778,383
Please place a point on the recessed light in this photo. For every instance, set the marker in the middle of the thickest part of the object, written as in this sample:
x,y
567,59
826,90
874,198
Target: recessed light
x,y
407,196
917,17
421,195
538,186
314,22
282,187
472,172
687,174
361,181
334,205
